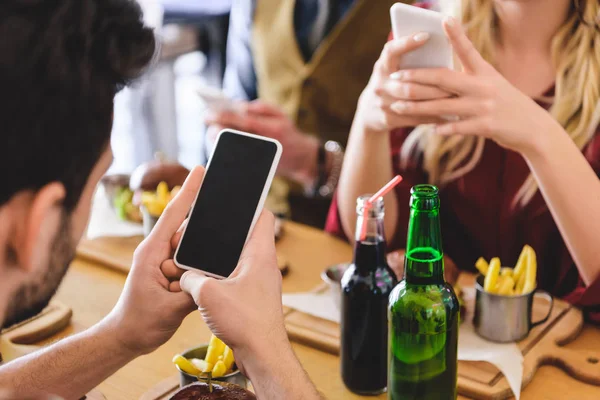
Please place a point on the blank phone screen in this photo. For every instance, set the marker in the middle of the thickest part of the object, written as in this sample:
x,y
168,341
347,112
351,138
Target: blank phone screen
x,y
224,210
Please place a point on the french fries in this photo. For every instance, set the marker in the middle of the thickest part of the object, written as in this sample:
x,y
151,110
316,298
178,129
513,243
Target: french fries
x,y
520,267
219,361
506,271
156,202
482,266
491,278
508,281
215,348
531,273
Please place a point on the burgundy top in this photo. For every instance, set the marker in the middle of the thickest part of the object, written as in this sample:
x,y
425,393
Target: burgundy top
x,y
478,220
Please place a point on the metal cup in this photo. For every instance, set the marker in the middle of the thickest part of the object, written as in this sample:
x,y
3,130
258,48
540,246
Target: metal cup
x,y
332,276
504,319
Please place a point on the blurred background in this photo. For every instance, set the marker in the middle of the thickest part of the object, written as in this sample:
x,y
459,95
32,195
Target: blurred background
x,y
162,112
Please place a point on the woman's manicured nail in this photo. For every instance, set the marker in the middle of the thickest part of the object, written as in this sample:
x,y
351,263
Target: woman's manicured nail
x,y
450,21
399,106
421,37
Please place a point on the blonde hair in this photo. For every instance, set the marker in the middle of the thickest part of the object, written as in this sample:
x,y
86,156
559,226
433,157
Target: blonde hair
x,y
576,103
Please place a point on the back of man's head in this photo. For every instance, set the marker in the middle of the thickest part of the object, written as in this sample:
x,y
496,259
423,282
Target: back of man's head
x,y
61,63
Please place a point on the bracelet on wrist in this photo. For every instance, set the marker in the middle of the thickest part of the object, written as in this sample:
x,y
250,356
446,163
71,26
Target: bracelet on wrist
x,y
327,181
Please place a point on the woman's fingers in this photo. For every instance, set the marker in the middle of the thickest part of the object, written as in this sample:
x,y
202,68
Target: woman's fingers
x,y
471,126
461,107
391,120
468,55
443,78
400,90
395,49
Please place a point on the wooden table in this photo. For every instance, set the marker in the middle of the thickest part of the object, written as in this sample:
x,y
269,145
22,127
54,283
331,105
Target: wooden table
x,y
92,290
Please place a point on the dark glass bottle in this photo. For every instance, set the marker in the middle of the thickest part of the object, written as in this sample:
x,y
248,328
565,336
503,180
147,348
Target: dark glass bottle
x,y
366,287
423,311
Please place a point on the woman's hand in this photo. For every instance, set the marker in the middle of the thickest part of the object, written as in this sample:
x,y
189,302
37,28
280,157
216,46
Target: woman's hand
x,y
485,103
384,89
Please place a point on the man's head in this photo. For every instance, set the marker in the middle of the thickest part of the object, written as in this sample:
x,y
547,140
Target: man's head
x,y
61,64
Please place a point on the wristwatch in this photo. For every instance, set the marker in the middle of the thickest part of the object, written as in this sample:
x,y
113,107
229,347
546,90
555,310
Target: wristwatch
x,y
327,182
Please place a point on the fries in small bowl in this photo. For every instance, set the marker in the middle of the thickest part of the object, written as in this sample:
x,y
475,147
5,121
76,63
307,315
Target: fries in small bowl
x,y
508,281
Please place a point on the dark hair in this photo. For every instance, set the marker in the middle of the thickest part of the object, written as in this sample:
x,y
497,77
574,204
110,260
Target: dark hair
x,y
61,64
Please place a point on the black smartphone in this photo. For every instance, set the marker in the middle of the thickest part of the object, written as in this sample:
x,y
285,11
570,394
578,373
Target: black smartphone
x,y
236,183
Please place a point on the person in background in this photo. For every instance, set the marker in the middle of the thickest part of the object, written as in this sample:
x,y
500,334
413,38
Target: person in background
x,y
521,164
62,64
307,62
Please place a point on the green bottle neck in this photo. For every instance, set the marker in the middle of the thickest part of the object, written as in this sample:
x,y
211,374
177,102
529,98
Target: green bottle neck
x,y
424,261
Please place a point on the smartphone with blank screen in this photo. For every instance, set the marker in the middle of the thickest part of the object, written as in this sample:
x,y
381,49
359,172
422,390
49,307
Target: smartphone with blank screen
x,y
437,51
236,183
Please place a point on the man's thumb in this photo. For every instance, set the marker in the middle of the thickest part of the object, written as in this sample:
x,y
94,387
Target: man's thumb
x,y
192,282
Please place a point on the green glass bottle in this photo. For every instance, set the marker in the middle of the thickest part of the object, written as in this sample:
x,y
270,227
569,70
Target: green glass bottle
x,y
423,311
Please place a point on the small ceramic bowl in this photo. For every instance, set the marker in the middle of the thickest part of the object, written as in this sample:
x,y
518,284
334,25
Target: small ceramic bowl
x,y
332,276
236,377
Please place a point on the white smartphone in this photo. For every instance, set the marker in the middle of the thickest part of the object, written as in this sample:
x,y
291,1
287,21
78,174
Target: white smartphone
x,y
408,20
215,99
236,183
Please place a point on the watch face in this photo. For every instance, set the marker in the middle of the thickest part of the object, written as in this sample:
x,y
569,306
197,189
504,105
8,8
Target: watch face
x,y
332,146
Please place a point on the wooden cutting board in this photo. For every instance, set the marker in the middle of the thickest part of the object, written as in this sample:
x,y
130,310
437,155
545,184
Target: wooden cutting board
x,y
112,252
28,336
117,252
43,329
480,380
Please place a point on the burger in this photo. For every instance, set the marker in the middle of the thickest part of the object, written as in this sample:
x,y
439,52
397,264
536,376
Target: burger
x,y
220,391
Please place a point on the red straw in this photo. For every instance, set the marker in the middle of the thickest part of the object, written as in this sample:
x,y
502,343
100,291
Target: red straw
x,y
369,203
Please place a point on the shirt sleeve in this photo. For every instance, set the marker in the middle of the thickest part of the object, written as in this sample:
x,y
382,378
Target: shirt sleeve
x,y
587,297
240,76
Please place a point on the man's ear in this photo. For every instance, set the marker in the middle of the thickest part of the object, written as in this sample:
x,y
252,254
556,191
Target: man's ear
x,y
41,222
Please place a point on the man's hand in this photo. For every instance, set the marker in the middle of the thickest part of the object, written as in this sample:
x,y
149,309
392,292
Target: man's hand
x,y
245,311
147,314
152,307
299,158
250,297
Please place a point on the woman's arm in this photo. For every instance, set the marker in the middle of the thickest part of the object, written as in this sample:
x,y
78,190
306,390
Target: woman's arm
x,y
572,192
368,162
367,167
489,106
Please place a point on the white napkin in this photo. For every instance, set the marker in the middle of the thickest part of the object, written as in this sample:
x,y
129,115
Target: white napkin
x,y
104,221
505,356
471,347
317,304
